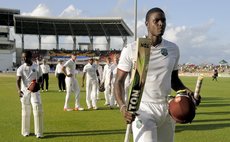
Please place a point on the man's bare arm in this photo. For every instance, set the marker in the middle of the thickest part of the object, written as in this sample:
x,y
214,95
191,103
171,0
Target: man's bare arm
x,y
119,92
176,82
18,84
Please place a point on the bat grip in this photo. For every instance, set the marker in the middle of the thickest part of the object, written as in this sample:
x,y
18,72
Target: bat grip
x,y
127,133
197,89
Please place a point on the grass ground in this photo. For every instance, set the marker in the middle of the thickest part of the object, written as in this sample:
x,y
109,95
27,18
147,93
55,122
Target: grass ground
x,y
212,122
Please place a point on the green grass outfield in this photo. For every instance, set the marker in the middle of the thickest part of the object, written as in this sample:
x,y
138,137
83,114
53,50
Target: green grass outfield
x,y
211,124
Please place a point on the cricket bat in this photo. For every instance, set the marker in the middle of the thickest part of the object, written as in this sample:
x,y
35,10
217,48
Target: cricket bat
x,y
138,76
198,86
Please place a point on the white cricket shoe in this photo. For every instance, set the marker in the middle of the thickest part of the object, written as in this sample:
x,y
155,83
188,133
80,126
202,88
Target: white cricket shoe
x,y
68,109
39,136
79,108
26,135
95,108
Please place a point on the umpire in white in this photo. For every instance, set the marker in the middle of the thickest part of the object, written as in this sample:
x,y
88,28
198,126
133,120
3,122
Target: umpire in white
x,y
92,78
26,73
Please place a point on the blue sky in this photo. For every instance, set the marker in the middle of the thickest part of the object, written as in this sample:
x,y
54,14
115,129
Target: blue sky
x,y
199,27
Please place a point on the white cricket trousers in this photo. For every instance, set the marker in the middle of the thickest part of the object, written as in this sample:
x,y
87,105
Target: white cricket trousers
x,y
153,124
107,93
112,96
72,85
26,101
91,93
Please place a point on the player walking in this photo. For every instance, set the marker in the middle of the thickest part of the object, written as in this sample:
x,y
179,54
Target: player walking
x,y
153,124
106,80
69,69
100,71
26,73
113,76
92,77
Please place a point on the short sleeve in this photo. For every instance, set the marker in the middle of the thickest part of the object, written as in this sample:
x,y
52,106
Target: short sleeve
x,y
126,58
177,58
19,71
84,69
66,63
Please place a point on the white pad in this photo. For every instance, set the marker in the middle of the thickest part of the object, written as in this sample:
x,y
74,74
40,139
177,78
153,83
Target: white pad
x,y
38,119
26,111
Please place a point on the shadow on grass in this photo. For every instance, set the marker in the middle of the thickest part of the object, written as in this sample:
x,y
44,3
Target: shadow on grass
x,y
214,113
203,127
83,133
214,102
214,99
215,105
103,108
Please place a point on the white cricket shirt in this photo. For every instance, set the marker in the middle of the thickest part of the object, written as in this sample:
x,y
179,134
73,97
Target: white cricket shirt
x,y
106,73
45,68
70,67
90,71
28,73
163,60
58,68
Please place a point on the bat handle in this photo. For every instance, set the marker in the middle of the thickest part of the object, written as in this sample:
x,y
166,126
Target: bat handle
x,y
127,133
198,87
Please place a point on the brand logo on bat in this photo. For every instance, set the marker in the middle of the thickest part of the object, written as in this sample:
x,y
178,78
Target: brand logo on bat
x,y
145,45
134,100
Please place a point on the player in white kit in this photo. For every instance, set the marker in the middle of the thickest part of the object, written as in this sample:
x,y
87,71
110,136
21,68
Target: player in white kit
x,y
26,73
100,71
69,69
113,76
106,80
153,124
92,77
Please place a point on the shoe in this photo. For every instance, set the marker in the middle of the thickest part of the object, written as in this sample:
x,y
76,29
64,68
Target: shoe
x,y
89,107
95,108
64,90
46,90
106,104
42,90
26,135
78,108
39,136
68,109
59,91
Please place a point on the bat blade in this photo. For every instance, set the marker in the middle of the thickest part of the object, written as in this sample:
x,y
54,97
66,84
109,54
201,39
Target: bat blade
x,y
138,77
139,73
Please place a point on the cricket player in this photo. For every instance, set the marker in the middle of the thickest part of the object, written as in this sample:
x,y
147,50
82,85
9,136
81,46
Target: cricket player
x,y
69,69
153,124
92,77
106,80
113,76
26,73
100,71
